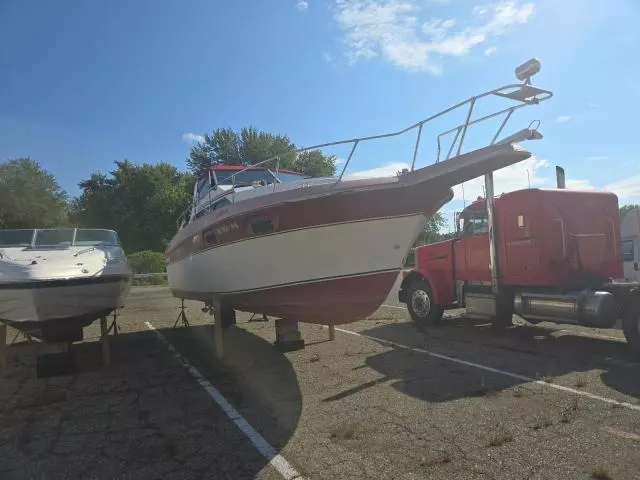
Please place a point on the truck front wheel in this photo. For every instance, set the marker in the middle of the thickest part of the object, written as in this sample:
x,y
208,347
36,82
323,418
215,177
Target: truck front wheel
x,y
421,304
631,329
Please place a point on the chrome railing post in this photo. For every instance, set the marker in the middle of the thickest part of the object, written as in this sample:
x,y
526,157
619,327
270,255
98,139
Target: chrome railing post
x,y
466,124
346,164
276,176
453,144
504,122
415,150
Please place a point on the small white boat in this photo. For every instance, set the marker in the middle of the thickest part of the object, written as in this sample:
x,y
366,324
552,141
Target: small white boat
x,y
54,282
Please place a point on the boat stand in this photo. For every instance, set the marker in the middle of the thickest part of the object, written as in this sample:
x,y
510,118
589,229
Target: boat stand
x,y
114,324
104,340
218,345
27,337
263,319
105,330
182,316
288,336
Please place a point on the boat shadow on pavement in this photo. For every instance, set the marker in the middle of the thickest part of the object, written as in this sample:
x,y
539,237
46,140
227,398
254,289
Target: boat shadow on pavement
x,y
530,351
145,416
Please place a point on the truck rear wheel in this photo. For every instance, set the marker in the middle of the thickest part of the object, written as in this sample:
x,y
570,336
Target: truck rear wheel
x,y
631,329
421,304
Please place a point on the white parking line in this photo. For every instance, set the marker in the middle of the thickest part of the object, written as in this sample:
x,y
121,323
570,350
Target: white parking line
x,y
276,460
498,371
393,306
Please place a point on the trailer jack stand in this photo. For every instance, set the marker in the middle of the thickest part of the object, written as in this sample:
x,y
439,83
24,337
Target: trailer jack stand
x,y
182,316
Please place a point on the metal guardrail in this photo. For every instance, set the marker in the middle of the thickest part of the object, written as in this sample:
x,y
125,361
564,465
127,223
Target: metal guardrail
x,y
149,275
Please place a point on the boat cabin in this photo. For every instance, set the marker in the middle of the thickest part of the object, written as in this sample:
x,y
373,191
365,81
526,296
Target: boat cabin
x,y
215,187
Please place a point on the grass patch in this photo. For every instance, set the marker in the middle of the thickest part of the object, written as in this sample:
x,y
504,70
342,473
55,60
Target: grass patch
x,y
517,393
549,379
345,431
499,438
600,473
581,383
569,413
542,423
438,459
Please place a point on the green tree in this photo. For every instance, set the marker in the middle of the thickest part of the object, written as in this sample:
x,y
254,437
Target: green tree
x,y
431,232
30,197
249,146
140,202
624,209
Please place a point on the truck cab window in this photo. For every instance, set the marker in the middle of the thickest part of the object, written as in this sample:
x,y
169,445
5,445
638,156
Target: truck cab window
x,y
476,223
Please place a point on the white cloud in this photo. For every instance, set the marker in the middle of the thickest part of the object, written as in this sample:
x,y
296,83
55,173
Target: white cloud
x,y
192,138
597,158
302,5
490,51
593,105
327,57
579,184
563,118
514,177
394,31
625,188
388,170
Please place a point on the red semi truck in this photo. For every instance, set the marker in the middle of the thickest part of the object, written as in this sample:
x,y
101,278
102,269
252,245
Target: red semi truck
x,y
557,257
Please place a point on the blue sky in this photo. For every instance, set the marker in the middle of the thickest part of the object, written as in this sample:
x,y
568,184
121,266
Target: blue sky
x,y
85,83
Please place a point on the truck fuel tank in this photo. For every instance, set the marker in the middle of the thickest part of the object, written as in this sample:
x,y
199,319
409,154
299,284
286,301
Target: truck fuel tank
x,y
592,309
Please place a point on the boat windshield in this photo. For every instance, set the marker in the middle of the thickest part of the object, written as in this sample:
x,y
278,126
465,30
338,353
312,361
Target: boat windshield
x,y
85,236
57,236
16,238
249,176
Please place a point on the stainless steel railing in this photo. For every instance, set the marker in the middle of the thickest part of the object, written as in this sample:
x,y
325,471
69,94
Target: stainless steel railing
x,y
524,94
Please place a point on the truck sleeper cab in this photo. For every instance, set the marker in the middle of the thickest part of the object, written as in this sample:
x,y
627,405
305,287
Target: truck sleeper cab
x,y
558,252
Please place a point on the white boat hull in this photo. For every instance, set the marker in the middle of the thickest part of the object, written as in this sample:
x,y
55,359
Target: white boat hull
x,y
46,301
308,255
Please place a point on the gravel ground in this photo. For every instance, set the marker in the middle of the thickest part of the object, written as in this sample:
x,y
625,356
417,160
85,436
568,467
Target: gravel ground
x,y
357,407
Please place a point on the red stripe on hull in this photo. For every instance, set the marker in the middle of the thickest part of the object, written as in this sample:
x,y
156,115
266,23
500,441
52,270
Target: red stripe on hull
x,y
337,301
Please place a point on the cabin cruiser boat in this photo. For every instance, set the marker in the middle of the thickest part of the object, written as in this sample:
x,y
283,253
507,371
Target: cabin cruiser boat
x,y
54,282
325,250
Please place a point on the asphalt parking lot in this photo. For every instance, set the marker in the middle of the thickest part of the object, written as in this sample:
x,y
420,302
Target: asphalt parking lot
x,y
383,400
